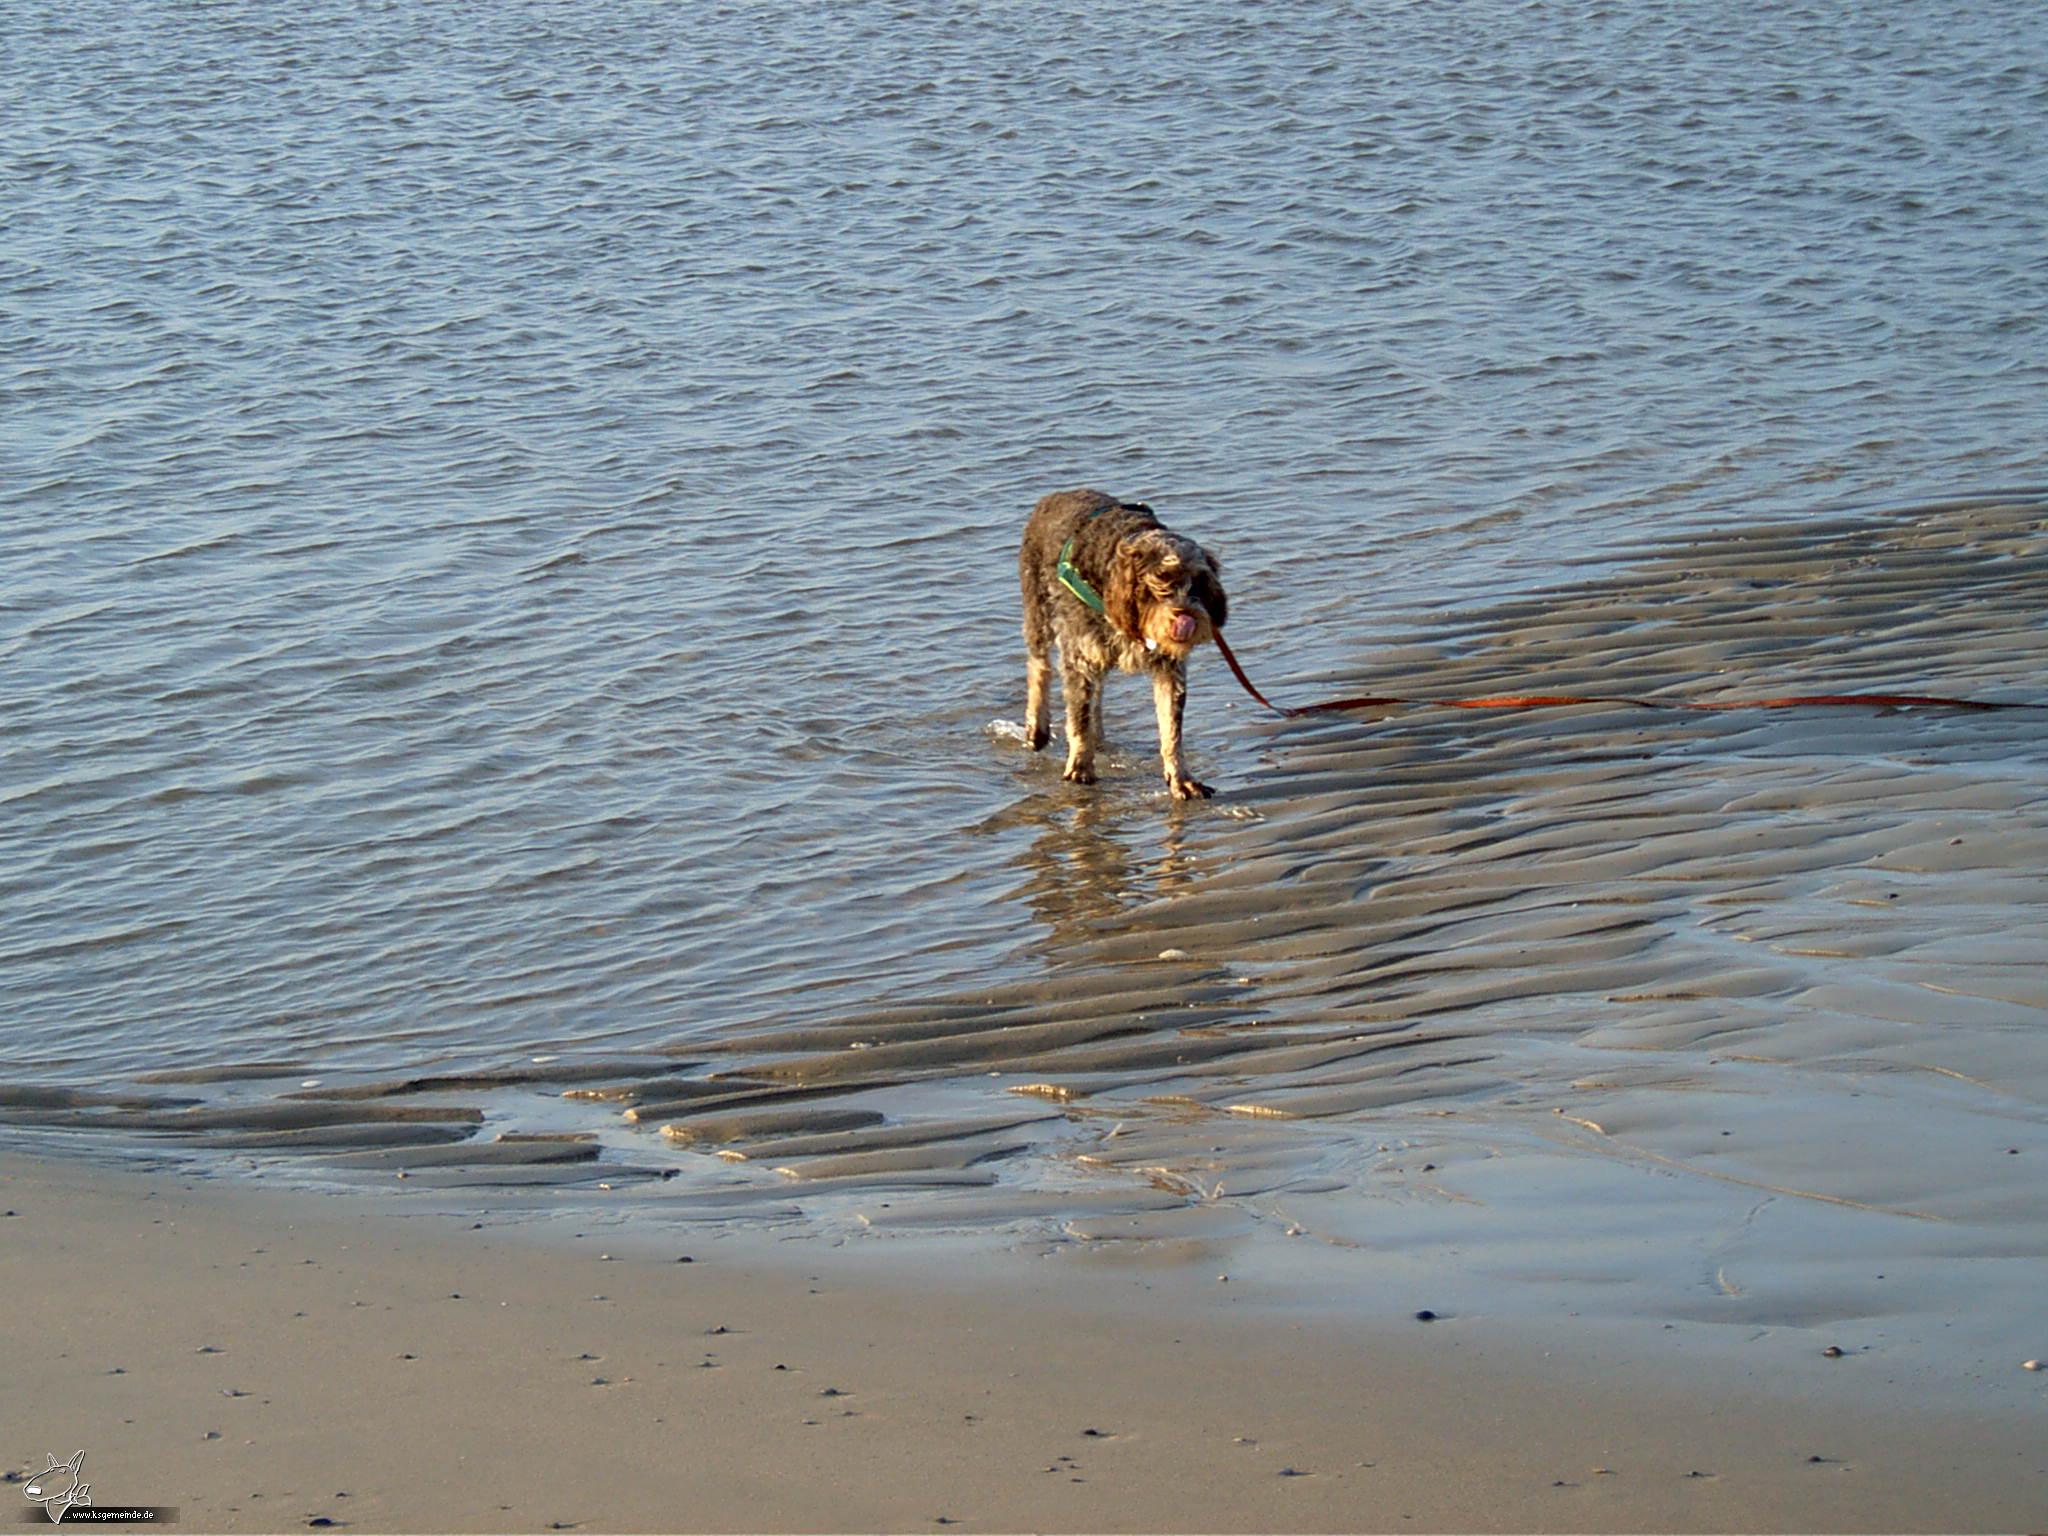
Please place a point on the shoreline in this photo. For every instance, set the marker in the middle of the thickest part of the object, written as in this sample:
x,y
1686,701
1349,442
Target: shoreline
x,y
297,1358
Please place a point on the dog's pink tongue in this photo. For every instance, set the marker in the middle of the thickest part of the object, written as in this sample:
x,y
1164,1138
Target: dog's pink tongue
x,y
1183,628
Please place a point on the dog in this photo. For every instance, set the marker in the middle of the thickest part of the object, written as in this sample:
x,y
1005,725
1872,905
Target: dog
x,y
1111,586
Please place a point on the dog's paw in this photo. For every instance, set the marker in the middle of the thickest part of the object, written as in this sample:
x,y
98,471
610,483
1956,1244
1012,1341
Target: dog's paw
x,y
1189,789
1037,739
1078,773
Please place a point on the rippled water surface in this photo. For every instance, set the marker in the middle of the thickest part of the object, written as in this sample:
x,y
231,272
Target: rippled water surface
x,y
509,518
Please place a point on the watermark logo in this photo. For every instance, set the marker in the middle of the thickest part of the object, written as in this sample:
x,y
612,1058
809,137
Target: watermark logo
x,y
59,1487
62,1490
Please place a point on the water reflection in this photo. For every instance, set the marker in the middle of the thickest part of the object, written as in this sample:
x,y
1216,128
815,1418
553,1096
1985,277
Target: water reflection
x,y
1094,855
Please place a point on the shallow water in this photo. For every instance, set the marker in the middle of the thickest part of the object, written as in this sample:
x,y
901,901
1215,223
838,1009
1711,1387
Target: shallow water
x,y
510,510
509,538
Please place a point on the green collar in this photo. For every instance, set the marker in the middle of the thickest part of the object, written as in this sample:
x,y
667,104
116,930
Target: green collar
x,y
1072,579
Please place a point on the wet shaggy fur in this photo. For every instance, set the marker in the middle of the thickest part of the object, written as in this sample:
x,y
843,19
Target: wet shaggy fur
x,y
1148,576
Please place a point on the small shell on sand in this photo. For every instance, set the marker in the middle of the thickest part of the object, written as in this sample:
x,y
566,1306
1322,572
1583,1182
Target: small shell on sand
x,y
2032,1365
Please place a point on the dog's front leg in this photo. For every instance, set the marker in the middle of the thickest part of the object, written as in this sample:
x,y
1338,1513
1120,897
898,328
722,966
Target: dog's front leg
x,y
1169,699
1080,688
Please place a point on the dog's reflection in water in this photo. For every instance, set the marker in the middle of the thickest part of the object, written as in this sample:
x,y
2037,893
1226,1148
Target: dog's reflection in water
x,y
1091,860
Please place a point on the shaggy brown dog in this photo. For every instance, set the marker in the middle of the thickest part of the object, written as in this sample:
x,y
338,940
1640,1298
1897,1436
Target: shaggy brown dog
x,y
1159,597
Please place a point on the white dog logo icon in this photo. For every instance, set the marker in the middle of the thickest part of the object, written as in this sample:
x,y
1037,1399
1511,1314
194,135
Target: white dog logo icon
x,y
57,1487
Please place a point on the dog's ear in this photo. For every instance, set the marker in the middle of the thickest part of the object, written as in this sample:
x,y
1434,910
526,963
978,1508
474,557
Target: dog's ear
x,y
1208,589
1120,590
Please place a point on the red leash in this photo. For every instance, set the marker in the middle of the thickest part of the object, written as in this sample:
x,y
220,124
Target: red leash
x,y
1553,700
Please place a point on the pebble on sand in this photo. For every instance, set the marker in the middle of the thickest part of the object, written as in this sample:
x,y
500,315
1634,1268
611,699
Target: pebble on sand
x,y
2032,1365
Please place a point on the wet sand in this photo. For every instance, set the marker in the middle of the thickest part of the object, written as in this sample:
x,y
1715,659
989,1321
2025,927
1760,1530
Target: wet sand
x,y
267,1362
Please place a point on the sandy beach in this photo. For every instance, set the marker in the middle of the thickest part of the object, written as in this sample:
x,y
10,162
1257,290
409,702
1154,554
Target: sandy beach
x,y
272,1362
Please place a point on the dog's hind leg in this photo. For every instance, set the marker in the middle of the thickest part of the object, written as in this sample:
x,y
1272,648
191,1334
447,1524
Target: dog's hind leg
x,y
1038,642
1169,699
1037,703
1080,689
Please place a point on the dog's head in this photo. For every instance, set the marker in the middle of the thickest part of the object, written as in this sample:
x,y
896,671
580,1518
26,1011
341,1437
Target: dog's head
x,y
1166,590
